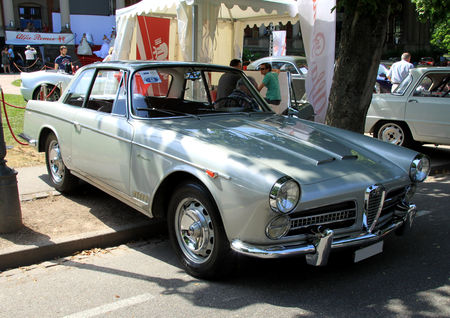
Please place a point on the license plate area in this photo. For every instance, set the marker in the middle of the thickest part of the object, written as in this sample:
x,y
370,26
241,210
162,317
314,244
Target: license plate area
x,y
368,251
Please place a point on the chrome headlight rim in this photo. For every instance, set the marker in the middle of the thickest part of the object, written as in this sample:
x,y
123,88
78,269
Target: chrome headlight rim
x,y
287,227
282,185
420,168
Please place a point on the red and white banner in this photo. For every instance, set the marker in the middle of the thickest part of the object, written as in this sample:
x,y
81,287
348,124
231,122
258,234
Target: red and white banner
x,y
34,38
318,25
152,43
152,38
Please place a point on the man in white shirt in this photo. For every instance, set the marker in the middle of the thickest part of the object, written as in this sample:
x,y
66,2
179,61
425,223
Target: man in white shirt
x,y
30,56
399,71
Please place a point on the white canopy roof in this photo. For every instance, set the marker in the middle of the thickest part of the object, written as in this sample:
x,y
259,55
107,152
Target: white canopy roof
x,y
198,20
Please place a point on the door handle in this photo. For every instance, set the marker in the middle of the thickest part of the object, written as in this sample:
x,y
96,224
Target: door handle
x,y
413,101
77,126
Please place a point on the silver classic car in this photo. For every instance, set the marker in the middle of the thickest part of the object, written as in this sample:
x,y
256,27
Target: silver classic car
x,y
229,175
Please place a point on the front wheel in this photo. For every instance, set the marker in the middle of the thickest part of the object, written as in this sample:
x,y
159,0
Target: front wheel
x,y
197,234
60,177
394,133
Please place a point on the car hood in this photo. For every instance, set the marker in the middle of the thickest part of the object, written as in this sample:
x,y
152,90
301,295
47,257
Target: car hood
x,y
305,151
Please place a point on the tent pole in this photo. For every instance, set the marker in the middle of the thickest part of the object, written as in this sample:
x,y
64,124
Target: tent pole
x,y
195,32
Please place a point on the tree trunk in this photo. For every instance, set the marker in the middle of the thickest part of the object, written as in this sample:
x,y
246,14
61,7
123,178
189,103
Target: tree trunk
x,y
362,38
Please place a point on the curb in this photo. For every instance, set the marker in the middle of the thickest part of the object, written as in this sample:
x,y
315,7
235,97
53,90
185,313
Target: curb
x,y
28,255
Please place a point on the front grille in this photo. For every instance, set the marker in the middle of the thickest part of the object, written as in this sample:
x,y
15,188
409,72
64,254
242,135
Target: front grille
x,y
373,203
334,216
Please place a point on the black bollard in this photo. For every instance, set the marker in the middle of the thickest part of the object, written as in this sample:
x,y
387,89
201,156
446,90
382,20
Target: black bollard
x,y
10,213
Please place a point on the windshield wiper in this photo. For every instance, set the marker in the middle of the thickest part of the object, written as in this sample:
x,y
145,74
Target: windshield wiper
x,y
169,112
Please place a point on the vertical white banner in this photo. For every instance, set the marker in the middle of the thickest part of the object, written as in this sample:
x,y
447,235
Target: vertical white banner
x,y
279,43
318,26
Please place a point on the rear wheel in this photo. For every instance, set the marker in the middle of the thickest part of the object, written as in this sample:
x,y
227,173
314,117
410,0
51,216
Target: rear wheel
x,y
60,177
53,93
395,133
196,232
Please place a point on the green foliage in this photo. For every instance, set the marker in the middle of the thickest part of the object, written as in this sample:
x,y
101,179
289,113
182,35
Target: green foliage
x,y
437,12
247,55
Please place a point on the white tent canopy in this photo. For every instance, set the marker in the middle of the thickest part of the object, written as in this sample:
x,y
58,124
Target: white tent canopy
x,y
196,24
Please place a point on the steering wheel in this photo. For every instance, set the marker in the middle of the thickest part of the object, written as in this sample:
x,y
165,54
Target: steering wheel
x,y
229,104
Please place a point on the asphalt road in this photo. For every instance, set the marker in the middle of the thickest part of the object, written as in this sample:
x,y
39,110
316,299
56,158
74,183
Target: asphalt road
x,y
411,278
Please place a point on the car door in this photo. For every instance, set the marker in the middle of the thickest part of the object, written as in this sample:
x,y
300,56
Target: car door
x,y
428,109
101,140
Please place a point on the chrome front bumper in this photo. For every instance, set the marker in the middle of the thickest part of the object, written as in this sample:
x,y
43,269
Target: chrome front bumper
x,y
318,250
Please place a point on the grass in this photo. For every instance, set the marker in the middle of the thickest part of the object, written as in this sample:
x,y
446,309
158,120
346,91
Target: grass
x,y
17,82
17,155
15,117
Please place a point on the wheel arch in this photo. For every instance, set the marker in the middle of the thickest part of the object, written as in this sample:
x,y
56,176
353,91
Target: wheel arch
x,y
162,196
45,132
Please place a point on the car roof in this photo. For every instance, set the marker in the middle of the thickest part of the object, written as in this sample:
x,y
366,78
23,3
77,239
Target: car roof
x,y
137,65
422,70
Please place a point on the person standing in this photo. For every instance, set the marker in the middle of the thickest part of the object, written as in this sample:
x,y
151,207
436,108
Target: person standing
x,y
270,81
63,61
227,82
400,70
5,60
12,57
30,56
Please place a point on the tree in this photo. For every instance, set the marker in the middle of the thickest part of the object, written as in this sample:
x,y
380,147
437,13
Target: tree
x,y
438,13
363,35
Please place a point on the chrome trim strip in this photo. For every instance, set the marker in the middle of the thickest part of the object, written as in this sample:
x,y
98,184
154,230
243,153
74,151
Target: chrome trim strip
x,y
277,251
219,174
31,142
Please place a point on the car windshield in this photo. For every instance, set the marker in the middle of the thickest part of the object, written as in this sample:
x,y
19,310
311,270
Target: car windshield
x,y
401,89
193,91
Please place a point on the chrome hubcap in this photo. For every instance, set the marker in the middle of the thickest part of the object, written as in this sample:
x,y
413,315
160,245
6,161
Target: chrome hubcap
x,y
194,230
55,161
391,133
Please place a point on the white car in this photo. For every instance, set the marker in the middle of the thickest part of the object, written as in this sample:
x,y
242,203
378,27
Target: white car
x,y
417,112
296,65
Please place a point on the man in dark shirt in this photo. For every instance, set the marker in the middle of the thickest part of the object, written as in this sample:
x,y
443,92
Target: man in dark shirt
x,y
227,81
63,61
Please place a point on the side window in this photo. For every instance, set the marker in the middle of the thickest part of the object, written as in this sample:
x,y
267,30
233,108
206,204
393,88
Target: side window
x,y
289,68
79,89
195,89
120,104
423,89
104,90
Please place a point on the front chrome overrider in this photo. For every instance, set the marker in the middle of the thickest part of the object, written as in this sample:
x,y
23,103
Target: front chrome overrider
x,y
317,250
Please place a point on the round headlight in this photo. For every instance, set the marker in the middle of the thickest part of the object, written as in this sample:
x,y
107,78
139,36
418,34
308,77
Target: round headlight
x,y
278,227
284,195
420,168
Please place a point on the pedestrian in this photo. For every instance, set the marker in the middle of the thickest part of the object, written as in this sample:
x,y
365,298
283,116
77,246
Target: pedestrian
x,y
227,82
63,62
30,57
400,70
270,81
11,57
5,60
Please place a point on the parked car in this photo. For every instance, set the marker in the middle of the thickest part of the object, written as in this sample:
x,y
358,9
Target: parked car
x,y
229,175
296,65
31,83
426,61
417,112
